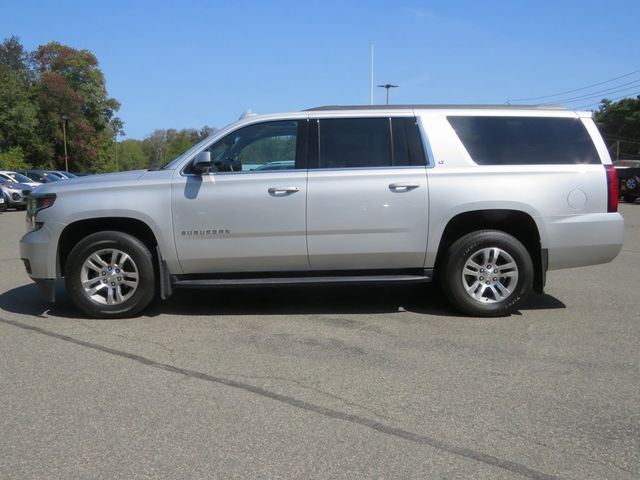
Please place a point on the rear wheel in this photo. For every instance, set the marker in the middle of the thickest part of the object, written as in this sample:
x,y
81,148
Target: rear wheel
x,y
487,273
632,183
629,198
110,275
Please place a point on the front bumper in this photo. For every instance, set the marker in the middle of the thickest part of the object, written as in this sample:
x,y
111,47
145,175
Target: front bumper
x,y
16,198
39,254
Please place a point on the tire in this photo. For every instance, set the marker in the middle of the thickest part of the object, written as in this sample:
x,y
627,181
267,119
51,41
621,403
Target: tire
x,y
116,285
632,184
508,285
629,198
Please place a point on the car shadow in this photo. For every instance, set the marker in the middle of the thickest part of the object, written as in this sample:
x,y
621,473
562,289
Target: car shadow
x,y
421,299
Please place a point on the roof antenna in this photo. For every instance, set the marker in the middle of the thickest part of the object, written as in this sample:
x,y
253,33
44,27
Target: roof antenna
x,y
246,114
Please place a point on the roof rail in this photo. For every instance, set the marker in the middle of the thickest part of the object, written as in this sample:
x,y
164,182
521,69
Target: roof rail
x,y
432,107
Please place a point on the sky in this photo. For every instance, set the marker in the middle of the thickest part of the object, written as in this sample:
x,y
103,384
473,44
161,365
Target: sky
x,y
186,64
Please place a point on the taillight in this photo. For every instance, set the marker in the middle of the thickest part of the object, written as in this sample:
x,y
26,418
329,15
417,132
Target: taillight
x,y
612,188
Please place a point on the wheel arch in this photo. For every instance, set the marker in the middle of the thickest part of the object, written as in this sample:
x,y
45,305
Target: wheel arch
x,y
517,223
79,229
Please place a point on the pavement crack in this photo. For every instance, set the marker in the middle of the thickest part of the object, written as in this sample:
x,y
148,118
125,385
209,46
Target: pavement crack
x,y
314,389
386,429
170,351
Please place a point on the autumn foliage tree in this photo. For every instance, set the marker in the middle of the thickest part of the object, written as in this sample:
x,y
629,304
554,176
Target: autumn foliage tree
x,y
40,89
56,84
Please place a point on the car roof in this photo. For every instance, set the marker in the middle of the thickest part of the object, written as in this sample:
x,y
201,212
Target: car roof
x,y
435,107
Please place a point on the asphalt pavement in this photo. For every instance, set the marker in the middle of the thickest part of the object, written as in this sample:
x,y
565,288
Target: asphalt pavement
x,y
319,383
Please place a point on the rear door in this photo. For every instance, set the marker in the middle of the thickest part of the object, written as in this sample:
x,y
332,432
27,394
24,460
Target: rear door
x,y
367,205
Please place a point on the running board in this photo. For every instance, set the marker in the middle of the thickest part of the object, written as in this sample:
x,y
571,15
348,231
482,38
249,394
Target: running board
x,y
291,281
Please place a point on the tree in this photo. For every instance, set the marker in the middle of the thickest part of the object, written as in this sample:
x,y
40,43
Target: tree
x,y
131,155
13,159
19,123
620,124
72,86
155,148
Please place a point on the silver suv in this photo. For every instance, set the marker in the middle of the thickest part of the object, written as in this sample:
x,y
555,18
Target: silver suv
x,y
484,198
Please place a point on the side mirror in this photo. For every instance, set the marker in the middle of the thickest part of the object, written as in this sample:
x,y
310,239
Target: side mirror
x,y
202,162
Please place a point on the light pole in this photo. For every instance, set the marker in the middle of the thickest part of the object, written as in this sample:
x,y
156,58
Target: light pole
x,y
64,136
388,86
116,148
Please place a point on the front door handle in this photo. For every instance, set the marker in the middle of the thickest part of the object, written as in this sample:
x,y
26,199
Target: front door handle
x,y
280,190
403,186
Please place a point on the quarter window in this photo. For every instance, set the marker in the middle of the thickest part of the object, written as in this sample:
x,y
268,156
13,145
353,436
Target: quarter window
x,y
525,140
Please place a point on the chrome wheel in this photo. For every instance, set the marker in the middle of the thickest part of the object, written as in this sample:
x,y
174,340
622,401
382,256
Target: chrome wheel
x,y
109,277
490,275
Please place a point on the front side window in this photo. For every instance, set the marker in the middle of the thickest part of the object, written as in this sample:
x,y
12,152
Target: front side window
x,y
259,147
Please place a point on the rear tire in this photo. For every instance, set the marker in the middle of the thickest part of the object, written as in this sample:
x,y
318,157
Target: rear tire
x,y
110,275
487,273
629,198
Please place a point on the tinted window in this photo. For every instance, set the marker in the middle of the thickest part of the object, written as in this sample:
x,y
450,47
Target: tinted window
x,y
355,142
259,147
407,144
525,140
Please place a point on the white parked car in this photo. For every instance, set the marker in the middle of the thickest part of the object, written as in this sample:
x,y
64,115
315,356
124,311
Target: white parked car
x,y
18,178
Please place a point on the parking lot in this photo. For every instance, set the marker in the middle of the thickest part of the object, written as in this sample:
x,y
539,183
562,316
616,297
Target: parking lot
x,y
350,383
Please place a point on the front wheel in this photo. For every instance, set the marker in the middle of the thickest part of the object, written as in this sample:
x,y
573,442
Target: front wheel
x,y
487,273
110,275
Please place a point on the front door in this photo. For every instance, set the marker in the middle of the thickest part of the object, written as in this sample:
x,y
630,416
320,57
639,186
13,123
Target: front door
x,y
248,213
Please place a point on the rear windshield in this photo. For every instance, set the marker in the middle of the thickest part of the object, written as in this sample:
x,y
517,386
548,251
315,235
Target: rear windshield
x,y
525,140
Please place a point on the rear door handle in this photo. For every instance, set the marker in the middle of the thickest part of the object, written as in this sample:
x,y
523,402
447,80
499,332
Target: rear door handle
x,y
403,186
277,190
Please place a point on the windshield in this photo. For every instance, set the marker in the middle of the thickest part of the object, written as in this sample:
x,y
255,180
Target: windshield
x,y
18,177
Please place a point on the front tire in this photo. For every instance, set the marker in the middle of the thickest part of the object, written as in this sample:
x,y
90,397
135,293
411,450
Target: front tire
x,y
110,275
487,273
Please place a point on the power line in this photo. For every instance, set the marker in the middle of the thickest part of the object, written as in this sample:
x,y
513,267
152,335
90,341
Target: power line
x,y
614,89
612,99
575,89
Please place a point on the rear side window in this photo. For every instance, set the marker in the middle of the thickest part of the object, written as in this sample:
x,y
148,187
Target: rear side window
x,y
407,142
355,142
369,143
525,140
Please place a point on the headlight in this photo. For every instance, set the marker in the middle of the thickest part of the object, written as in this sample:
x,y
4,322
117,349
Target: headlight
x,y
35,203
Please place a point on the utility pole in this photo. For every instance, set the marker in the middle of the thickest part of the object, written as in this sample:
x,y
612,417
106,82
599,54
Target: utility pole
x,y
64,136
388,86
371,88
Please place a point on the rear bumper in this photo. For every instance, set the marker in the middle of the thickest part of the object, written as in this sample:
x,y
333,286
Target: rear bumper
x,y
583,240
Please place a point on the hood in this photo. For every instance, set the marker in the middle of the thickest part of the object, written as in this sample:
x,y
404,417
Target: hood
x,y
90,181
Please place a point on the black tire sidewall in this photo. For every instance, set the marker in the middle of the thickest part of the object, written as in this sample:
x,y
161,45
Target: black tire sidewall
x,y
138,252
459,253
